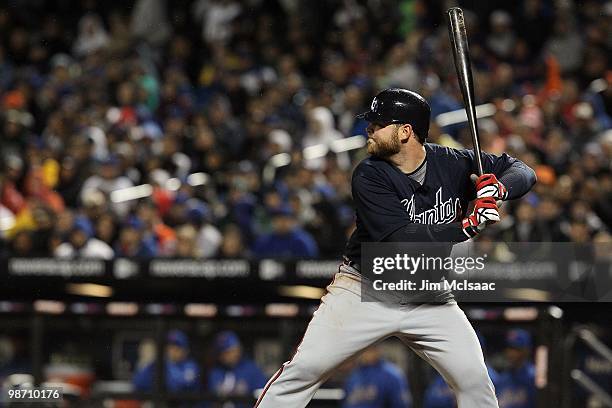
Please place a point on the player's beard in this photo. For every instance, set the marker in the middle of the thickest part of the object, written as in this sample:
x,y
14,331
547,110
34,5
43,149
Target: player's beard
x,y
383,148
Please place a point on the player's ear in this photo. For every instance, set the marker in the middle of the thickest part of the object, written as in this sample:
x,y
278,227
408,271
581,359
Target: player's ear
x,y
406,132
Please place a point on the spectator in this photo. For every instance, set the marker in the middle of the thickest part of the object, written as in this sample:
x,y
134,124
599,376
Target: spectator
x,y
502,38
182,371
525,229
82,244
216,17
92,35
186,243
108,180
149,22
565,44
106,229
287,239
37,219
209,237
234,374
517,384
7,220
13,357
22,244
321,131
164,237
228,132
71,178
132,243
232,245
10,196
376,383
439,395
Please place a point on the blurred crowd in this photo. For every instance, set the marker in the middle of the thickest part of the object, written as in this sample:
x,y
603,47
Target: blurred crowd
x,y
206,128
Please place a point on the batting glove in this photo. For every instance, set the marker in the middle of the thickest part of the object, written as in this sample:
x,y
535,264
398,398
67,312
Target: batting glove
x,y
488,185
485,212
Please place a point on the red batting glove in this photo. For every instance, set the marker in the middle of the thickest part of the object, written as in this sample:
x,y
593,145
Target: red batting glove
x,y
488,185
485,212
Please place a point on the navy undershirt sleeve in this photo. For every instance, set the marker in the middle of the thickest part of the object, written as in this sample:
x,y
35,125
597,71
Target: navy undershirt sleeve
x,y
518,179
513,173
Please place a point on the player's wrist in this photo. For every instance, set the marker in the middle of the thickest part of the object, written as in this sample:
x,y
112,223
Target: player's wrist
x,y
470,226
503,192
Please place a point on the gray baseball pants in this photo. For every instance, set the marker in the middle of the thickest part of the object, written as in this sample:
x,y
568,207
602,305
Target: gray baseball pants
x,y
343,325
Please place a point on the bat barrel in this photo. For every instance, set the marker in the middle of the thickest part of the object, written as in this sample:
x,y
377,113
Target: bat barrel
x,y
461,55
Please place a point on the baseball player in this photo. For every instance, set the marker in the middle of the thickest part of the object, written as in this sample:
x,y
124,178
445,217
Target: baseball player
x,y
407,190
516,387
182,371
376,383
234,374
439,395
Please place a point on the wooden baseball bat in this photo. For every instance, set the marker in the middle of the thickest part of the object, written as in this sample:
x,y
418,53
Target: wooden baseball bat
x,y
461,54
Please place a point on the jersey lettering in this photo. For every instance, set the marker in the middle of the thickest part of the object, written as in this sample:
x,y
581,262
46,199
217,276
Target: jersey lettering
x,y
441,213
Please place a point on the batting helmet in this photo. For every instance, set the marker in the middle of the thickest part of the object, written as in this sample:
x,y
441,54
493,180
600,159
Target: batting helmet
x,y
396,105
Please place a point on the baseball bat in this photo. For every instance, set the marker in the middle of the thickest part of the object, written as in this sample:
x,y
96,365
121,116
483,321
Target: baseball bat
x,y
461,55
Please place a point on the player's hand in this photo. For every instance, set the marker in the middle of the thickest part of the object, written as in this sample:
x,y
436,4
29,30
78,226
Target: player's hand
x,y
485,212
488,185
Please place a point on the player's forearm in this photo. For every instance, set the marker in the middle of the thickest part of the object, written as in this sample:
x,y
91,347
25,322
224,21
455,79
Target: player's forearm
x,y
452,232
518,179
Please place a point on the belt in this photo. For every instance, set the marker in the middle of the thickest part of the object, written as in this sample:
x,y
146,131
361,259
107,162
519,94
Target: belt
x,y
352,264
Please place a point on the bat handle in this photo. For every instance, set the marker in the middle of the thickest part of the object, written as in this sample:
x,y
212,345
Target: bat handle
x,y
477,154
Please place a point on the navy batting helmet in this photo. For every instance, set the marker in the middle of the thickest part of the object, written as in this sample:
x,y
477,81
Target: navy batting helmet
x,y
396,105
